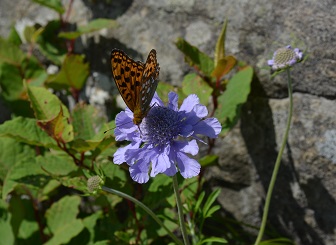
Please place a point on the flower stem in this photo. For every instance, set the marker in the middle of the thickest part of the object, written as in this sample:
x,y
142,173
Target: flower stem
x,y
144,207
277,162
180,211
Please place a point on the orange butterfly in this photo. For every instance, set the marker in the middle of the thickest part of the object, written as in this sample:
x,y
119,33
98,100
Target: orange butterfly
x,y
136,81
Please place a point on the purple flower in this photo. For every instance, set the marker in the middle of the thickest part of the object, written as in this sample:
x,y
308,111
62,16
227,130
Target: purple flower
x,y
167,137
285,57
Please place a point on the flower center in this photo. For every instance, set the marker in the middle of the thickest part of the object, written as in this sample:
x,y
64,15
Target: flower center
x,y
284,56
160,126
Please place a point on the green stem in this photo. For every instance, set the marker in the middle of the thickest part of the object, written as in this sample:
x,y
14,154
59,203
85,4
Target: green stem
x,y
144,207
277,163
180,211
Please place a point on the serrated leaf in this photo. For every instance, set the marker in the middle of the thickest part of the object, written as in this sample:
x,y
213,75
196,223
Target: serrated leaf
x,y
78,183
57,165
6,232
73,74
10,53
15,152
11,82
62,220
34,73
26,130
50,44
23,219
58,128
235,95
86,121
45,104
26,172
223,67
194,84
220,45
52,114
53,4
195,57
92,26
209,160
90,223
14,37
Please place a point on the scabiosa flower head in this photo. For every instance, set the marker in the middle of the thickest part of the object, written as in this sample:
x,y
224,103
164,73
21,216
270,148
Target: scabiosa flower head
x,y
285,57
94,184
167,134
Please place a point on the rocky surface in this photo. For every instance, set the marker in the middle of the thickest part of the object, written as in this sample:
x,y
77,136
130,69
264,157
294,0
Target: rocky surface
x,y
303,206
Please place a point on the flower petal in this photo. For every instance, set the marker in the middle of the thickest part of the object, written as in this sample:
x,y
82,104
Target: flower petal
x,y
171,171
173,101
189,103
200,110
161,163
119,156
156,101
188,167
190,147
209,127
139,171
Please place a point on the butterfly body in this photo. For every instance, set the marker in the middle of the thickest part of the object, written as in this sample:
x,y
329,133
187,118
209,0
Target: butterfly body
x,y
136,81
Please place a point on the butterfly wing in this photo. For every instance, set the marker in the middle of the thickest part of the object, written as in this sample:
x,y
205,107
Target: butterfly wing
x,y
149,81
127,75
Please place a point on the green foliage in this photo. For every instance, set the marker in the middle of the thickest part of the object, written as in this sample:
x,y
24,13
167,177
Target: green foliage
x,y
230,102
227,95
92,26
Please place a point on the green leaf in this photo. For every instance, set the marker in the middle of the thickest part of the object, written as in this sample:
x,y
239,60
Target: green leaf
x,y
90,223
34,73
212,210
11,82
53,4
233,98
52,114
50,44
213,239
14,37
211,199
15,152
92,26
195,57
86,121
194,84
59,128
209,160
223,67
23,217
57,165
26,130
220,45
73,74
278,241
28,173
78,183
10,53
45,104
62,221
199,202
6,232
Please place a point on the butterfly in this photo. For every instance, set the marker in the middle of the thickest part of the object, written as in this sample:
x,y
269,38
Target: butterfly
x,y
136,81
